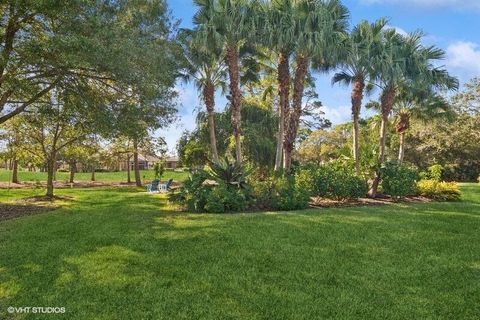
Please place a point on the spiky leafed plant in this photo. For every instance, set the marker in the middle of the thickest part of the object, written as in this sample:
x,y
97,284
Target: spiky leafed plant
x,y
404,61
358,69
206,67
227,22
228,172
321,33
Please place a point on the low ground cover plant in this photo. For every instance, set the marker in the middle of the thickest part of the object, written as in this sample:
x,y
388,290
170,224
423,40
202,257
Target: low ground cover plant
x,y
439,190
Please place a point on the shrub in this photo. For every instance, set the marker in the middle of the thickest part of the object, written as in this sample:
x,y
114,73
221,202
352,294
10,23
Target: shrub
x,y
289,196
280,193
439,190
332,181
225,190
159,169
225,198
194,193
398,180
434,172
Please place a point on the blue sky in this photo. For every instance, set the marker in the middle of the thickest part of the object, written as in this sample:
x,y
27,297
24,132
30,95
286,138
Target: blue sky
x,y
452,25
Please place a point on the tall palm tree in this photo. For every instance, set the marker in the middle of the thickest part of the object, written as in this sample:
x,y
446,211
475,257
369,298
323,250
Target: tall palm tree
x,y
277,33
422,103
404,62
226,22
320,31
358,69
205,66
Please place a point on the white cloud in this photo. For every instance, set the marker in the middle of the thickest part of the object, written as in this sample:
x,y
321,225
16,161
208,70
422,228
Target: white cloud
x,y
337,115
463,60
398,29
457,4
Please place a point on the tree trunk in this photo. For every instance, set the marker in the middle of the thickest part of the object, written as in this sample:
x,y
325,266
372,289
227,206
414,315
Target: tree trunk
x,y
401,150
296,112
50,173
209,97
283,78
129,179
387,100
73,170
235,98
138,181
92,178
15,171
55,170
357,96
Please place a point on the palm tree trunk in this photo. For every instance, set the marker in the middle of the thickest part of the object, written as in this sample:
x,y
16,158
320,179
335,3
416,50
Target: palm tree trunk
x,y
73,169
283,78
401,150
357,96
15,171
235,98
138,181
294,116
387,101
209,97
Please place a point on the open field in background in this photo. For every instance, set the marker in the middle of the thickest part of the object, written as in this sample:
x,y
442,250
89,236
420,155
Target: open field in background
x,y
121,253
121,176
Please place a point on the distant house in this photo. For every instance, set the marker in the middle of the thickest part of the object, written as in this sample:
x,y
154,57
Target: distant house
x,y
147,162
171,162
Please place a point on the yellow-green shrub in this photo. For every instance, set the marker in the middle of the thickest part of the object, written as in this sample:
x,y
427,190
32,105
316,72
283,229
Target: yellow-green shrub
x,y
439,190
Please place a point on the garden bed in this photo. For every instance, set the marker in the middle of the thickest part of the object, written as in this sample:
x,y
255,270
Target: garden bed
x,y
318,202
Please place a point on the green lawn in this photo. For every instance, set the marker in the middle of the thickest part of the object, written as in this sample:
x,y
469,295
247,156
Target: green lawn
x,y
25,176
124,254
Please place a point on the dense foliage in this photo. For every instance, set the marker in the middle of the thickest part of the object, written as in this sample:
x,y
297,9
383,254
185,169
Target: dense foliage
x,y
280,193
439,190
398,180
219,188
333,180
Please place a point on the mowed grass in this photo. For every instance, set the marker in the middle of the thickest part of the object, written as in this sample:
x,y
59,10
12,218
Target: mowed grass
x,y
121,176
125,254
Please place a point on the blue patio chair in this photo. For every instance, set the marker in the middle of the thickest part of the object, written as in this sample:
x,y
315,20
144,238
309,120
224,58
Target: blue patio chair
x,y
153,186
166,187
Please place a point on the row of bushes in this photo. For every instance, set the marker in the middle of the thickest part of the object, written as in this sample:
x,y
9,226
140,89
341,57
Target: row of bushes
x,y
332,181
225,187
399,181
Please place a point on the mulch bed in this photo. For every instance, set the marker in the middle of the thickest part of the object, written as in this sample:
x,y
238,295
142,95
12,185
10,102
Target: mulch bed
x,y
30,206
79,184
10,211
381,200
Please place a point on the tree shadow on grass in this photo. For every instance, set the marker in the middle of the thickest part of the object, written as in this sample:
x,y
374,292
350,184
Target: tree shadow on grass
x,y
11,211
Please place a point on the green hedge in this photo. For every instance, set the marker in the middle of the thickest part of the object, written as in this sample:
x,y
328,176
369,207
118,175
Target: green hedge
x,y
331,181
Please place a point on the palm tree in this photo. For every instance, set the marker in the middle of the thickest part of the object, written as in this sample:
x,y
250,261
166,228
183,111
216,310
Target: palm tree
x,y
277,33
422,103
358,70
225,22
404,61
208,71
320,32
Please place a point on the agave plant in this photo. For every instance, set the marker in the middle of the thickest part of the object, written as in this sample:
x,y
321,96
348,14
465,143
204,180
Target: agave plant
x,y
227,172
